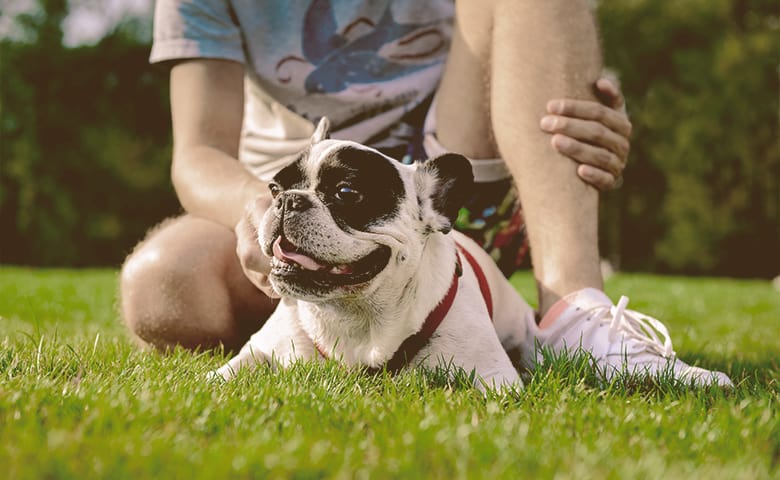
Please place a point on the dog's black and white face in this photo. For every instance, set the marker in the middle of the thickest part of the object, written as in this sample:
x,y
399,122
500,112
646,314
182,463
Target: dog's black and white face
x,y
345,216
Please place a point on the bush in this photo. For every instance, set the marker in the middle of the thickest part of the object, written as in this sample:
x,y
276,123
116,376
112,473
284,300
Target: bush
x,y
702,191
85,152
86,141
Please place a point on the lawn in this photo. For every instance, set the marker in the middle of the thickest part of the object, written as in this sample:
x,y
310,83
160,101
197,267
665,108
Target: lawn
x,y
79,400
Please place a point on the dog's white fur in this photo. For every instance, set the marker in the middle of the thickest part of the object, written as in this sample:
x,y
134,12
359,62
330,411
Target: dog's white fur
x,y
368,328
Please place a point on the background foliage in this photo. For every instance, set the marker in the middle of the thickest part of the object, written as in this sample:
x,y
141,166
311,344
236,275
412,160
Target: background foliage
x,y
86,145
85,152
702,191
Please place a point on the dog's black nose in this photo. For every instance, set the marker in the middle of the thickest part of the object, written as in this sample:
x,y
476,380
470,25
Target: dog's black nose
x,y
294,201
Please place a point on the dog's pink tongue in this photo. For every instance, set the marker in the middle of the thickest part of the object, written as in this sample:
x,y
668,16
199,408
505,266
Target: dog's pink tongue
x,y
306,262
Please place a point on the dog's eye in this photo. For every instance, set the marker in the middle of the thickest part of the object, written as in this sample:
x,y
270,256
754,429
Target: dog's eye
x,y
348,195
275,189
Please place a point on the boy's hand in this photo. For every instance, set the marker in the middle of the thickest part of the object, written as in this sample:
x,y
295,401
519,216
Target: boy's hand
x,y
593,134
255,263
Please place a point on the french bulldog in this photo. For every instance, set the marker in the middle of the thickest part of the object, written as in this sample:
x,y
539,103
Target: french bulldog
x,y
371,273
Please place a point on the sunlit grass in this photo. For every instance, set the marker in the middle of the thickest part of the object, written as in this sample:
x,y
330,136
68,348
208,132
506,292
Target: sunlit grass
x,y
79,400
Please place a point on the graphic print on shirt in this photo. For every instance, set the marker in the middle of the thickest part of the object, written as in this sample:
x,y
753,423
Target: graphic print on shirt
x,y
362,53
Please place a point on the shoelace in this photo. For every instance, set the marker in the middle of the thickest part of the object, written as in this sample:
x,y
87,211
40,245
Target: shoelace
x,y
646,332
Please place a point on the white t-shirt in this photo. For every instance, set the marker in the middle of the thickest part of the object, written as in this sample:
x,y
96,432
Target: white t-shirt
x,y
362,63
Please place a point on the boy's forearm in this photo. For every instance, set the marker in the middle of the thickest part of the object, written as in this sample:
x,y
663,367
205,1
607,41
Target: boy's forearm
x,y
213,185
207,105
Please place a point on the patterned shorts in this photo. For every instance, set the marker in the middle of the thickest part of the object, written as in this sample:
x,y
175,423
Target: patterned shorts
x,y
492,217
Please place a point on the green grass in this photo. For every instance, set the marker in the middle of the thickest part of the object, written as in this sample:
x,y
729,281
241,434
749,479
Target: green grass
x,y
79,400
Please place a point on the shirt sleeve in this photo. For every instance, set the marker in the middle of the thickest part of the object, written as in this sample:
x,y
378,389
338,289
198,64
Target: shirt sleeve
x,y
196,29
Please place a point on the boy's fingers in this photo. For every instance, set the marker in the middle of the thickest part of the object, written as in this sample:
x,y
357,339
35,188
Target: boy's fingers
x,y
589,110
600,179
588,131
586,154
610,94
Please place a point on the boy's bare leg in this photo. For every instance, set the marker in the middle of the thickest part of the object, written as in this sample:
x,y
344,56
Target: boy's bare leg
x,y
508,59
183,285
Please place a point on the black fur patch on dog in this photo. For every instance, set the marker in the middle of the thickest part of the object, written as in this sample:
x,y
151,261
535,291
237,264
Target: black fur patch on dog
x,y
361,188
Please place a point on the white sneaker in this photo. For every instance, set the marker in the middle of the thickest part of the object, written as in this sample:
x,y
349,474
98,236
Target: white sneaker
x,y
619,340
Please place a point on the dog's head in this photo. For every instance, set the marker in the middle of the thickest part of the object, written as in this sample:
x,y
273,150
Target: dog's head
x,y
345,217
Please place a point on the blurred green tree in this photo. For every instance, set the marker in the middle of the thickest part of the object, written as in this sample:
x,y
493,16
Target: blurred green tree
x,y
86,149
702,190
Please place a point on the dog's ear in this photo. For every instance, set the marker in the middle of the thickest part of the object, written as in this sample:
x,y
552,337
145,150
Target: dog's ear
x,y
452,183
322,132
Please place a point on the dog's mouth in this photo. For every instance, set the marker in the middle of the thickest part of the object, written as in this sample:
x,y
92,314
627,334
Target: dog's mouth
x,y
292,264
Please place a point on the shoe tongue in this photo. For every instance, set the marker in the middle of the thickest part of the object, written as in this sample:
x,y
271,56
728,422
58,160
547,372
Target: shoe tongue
x,y
584,299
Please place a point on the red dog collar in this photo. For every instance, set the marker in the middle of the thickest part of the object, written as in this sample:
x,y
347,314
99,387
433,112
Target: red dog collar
x,y
414,343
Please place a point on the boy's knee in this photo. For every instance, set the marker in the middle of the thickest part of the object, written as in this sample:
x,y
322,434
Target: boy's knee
x,y
144,306
164,303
